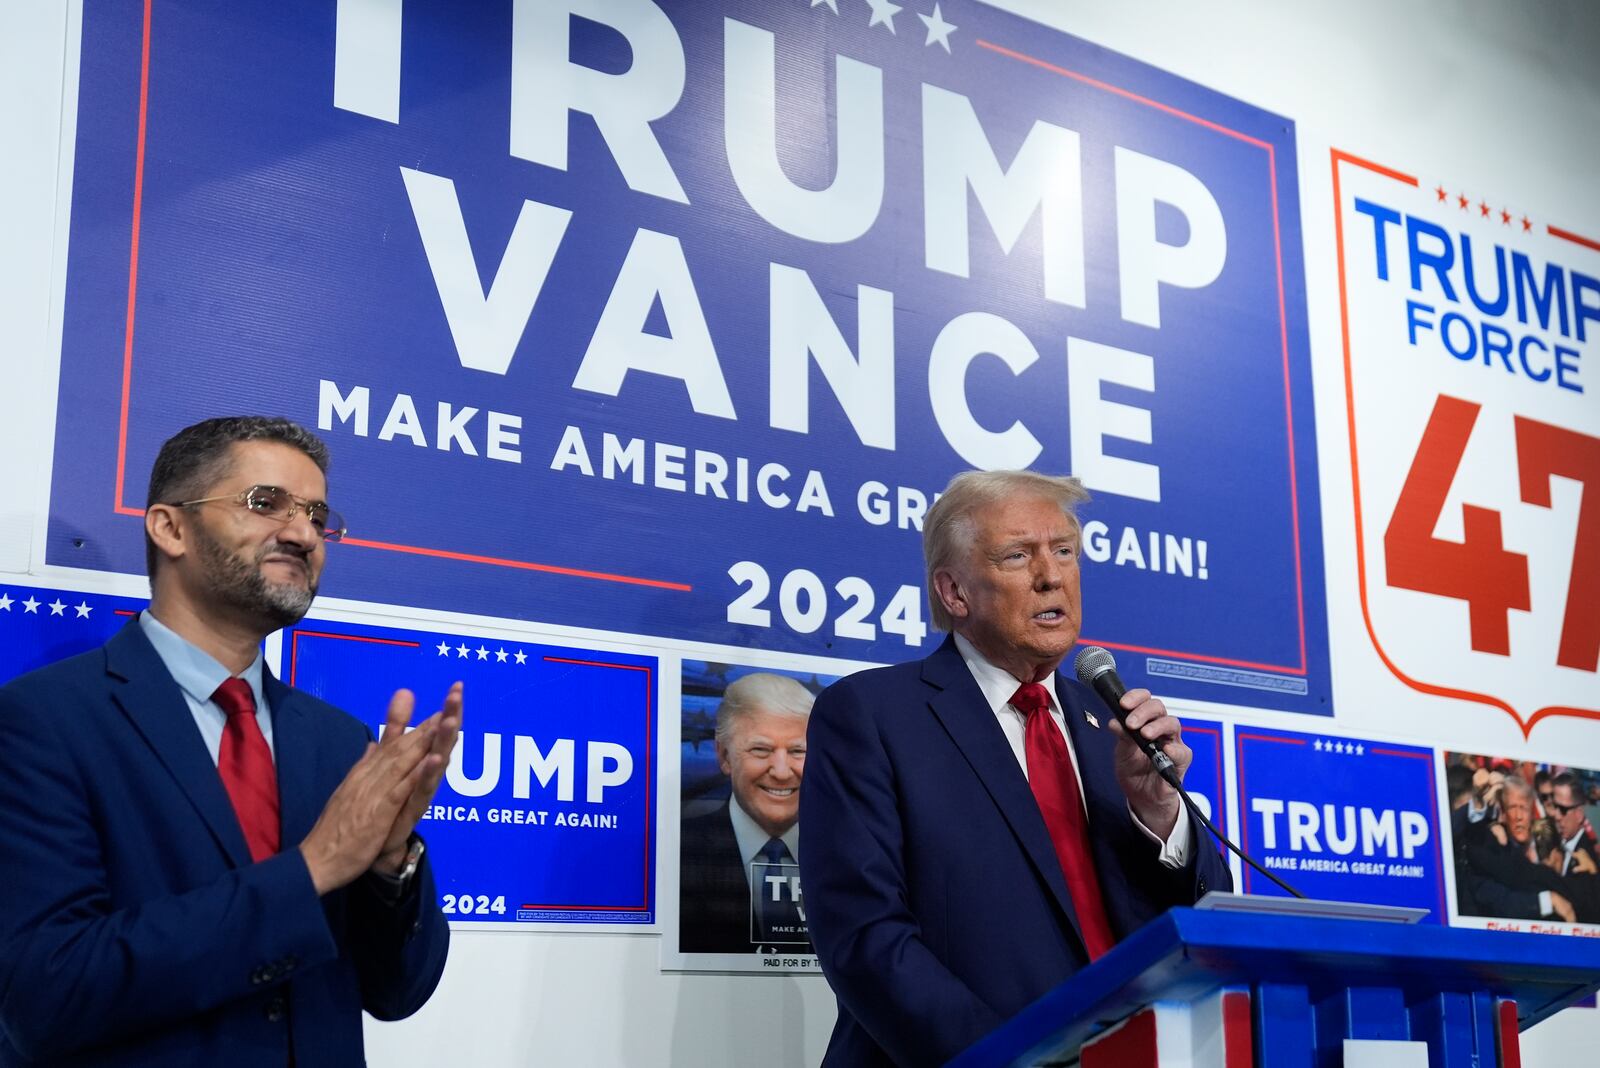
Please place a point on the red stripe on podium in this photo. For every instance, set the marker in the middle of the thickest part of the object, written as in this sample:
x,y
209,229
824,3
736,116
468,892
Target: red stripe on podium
x,y
1131,1045
1238,1041
1510,1047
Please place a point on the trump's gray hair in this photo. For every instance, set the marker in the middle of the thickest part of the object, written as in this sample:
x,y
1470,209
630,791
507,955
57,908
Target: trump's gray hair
x,y
761,691
948,528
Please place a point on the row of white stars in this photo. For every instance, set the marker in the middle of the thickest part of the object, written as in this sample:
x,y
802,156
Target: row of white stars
x,y
1331,746
58,607
484,652
883,14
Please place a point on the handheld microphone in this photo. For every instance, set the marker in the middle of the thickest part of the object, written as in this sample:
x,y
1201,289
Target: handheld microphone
x,y
1097,669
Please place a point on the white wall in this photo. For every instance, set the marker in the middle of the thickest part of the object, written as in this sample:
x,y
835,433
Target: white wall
x,y
1506,92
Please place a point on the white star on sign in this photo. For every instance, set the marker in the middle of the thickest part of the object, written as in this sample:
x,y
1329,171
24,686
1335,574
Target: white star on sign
x,y
938,29
1319,745
500,655
444,648
461,652
833,5
522,657
57,607
883,13
5,602
31,605
483,654
1359,750
83,609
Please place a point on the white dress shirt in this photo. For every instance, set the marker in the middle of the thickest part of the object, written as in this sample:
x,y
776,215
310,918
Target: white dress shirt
x,y
998,686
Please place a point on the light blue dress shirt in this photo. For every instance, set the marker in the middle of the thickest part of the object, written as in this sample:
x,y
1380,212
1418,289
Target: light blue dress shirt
x,y
198,675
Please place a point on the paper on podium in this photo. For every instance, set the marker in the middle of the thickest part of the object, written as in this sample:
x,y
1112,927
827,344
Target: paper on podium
x,y
1218,901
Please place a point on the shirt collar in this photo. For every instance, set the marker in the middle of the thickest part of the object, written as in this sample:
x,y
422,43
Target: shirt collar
x,y
998,684
752,839
195,671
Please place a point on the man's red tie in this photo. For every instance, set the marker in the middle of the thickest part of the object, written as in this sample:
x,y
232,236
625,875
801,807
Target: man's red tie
x,y
245,764
1055,787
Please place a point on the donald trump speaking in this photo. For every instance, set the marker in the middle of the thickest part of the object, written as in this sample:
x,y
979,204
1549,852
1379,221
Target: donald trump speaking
x,y
975,827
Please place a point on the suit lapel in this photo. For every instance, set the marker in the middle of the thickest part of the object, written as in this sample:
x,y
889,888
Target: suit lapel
x,y
145,691
965,714
295,752
1095,766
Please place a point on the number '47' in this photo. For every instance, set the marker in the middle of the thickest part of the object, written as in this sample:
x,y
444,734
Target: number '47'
x,y
1479,569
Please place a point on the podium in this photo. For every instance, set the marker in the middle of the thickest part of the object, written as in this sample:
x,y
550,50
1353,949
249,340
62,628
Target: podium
x,y
1275,991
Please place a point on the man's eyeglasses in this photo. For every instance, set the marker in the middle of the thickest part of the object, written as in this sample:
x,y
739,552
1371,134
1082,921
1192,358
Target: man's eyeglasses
x,y
275,503
1559,809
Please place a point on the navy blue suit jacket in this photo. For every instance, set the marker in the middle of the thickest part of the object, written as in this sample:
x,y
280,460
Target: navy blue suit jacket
x,y
134,928
935,900
713,889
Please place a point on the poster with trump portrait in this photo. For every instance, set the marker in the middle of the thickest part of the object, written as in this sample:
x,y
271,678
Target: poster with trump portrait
x,y
742,751
1524,849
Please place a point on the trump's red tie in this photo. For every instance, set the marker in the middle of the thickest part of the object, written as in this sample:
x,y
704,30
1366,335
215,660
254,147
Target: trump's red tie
x,y
245,764
1055,787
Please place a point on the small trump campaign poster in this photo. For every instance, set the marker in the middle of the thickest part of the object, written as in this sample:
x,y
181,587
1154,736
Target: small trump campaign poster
x,y
1345,819
1523,844
742,752
546,811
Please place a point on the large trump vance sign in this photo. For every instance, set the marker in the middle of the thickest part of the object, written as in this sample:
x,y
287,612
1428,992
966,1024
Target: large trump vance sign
x,y
673,318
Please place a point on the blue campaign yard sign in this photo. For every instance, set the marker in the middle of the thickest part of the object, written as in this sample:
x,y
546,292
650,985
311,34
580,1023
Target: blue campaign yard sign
x,y
40,625
1348,819
671,319
547,810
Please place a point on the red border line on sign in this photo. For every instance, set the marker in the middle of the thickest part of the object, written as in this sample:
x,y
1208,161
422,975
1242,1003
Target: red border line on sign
x,y
1576,239
294,645
1153,651
1377,751
133,265
1526,726
524,565
1283,333
118,508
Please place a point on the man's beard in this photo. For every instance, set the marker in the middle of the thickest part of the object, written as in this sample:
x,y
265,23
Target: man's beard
x,y
241,584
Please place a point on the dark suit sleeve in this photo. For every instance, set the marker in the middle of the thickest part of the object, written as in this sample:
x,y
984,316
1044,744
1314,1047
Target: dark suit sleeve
x,y
74,972
1480,896
399,947
868,941
1206,869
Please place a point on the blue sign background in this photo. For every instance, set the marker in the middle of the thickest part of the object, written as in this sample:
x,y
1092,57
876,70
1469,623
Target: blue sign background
x,y
236,239
544,871
40,625
1286,766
